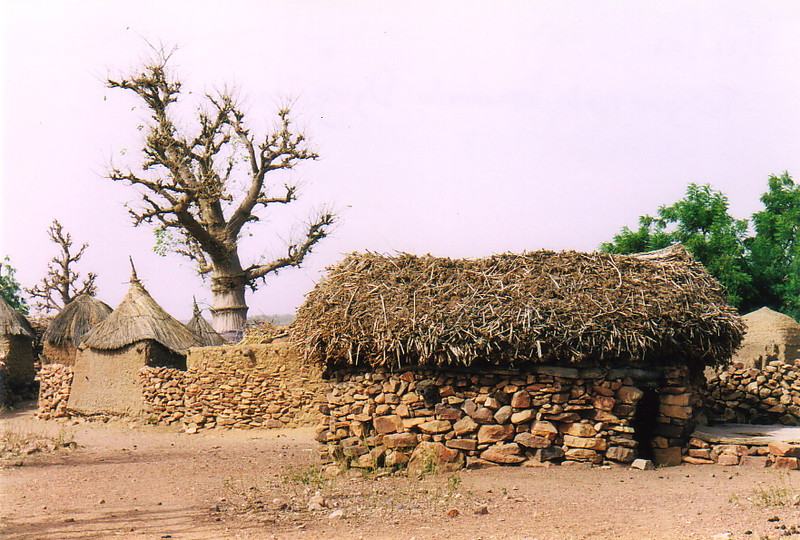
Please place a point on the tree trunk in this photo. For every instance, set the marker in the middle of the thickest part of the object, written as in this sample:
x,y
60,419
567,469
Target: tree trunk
x,y
229,308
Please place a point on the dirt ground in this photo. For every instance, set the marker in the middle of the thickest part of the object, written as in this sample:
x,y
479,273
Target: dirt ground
x,y
126,480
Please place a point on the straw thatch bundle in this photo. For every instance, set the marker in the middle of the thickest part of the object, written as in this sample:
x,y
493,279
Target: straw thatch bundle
x,y
75,320
12,322
544,306
202,329
138,318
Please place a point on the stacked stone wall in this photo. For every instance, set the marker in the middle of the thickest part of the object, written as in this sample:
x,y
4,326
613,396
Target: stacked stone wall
x,y
549,414
750,395
55,382
777,454
253,386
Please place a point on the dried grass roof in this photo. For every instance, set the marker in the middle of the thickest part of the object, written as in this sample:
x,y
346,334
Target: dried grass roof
x,y
138,318
202,329
75,319
543,306
12,322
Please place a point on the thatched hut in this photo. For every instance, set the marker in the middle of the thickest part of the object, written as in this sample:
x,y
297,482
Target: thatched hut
x,y
65,331
16,353
770,336
568,331
203,329
138,333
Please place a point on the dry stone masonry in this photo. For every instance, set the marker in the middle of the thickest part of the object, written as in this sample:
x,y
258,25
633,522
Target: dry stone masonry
x,y
775,453
748,395
253,386
55,382
549,414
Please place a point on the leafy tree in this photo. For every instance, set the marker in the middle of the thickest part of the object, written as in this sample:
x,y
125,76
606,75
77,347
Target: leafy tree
x,y
187,181
61,284
10,288
701,222
775,248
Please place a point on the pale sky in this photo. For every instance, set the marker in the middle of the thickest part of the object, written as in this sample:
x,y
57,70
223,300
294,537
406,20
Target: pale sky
x,y
459,129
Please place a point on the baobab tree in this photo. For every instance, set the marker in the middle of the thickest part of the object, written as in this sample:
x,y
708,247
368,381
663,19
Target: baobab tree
x,y
61,284
188,182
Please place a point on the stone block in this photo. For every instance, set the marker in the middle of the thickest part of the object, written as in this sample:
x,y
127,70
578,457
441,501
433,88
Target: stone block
x,y
462,444
727,460
483,415
521,417
681,400
790,463
521,400
697,461
579,430
643,464
621,454
604,403
443,412
784,449
495,433
464,426
400,440
435,426
667,457
503,414
583,454
629,394
506,454
675,411
387,424
433,457
544,429
592,443
756,462
529,440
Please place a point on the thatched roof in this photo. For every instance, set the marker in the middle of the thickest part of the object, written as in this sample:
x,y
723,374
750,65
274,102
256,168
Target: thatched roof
x,y
75,319
12,322
138,318
768,330
202,329
543,306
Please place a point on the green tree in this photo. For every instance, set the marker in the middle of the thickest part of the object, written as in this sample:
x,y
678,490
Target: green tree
x,y
775,248
701,222
10,288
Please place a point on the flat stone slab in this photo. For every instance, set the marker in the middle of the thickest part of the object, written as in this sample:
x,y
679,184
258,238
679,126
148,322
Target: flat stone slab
x,y
754,435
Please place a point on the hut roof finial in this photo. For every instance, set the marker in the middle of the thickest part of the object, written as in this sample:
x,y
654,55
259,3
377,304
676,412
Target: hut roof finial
x,y
134,277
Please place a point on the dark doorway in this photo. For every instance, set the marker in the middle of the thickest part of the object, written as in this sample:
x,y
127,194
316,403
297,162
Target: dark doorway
x,y
644,422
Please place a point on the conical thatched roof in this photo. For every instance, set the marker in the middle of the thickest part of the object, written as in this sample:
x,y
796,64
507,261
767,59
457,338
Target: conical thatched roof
x,y
137,318
202,329
12,322
507,310
769,330
75,319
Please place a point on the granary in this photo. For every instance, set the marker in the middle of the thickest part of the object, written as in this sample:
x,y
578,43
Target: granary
x,y
17,357
770,336
65,331
138,333
544,356
202,329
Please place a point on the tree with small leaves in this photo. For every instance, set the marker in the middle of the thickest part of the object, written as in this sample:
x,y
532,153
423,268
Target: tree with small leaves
x,y
187,182
62,283
10,288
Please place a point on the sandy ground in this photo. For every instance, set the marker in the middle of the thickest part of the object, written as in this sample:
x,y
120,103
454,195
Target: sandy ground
x,y
134,481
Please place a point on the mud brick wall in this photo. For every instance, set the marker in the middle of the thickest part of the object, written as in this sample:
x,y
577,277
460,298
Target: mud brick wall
x,y
746,395
55,382
549,414
252,386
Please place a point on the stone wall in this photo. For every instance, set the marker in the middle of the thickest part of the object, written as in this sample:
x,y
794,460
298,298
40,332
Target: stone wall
x,y
549,414
748,395
55,382
777,454
252,386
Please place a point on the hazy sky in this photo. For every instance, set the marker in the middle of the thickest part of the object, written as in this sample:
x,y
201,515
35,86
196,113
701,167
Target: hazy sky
x,y
456,128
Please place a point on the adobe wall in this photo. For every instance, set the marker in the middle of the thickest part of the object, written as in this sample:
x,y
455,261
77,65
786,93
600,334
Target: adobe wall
x,y
247,386
748,395
17,362
107,382
548,414
59,354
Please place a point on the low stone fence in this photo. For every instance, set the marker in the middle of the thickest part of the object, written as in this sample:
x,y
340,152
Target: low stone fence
x,y
765,453
55,382
770,395
252,386
546,414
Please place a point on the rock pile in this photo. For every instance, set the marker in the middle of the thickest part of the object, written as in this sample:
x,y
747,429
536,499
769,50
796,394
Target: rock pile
x,y
778,454
550,414
55,381
748,395
258,386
